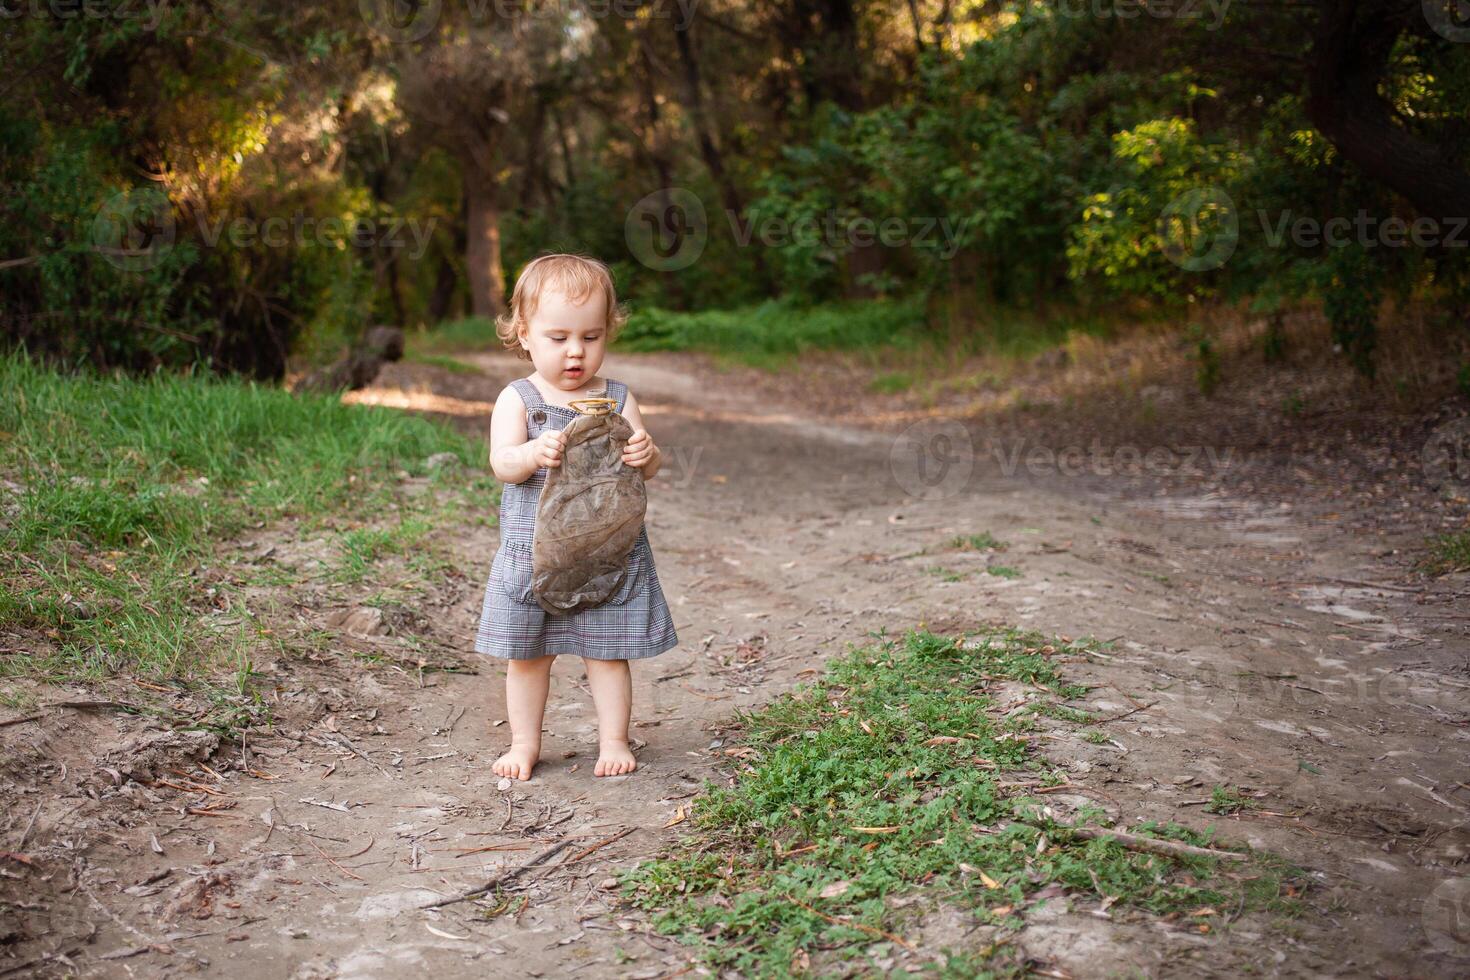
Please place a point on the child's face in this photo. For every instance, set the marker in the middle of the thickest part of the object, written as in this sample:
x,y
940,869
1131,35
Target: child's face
x,y
566,340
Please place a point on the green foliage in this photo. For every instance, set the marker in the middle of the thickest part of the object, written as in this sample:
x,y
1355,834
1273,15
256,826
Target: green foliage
x,y
1448,553
893,774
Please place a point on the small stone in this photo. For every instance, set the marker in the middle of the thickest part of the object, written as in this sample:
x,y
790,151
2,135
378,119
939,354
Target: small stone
x,y
504,784
437,460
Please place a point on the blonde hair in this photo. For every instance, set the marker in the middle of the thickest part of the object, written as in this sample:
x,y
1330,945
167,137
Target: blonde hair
x,y
577,277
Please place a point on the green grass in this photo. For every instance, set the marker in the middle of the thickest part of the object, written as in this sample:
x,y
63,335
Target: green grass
x,y
772,333
1448,553
443,361
945,574
984,541
1227,799
360,548
895,778
120,489
1004,571
474,331
892,383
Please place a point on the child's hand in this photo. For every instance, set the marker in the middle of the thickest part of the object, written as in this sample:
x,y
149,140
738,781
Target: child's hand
x,y
640,449
548,447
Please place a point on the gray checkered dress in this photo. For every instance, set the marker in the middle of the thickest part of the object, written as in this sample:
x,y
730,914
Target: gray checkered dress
x,y
633,623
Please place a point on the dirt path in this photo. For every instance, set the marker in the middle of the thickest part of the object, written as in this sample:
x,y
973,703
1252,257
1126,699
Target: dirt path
x,y
1253,648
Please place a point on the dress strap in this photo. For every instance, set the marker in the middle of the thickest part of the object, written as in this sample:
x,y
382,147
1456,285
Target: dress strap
x,y
529,393
618,390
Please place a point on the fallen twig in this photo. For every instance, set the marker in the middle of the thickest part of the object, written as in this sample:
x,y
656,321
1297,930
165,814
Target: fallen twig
x,y
26,834
1152,845
1133,711
602,843
852,925
503,879
346,743
332,860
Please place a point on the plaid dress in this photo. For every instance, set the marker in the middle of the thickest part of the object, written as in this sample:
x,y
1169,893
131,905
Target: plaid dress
x,y
633,623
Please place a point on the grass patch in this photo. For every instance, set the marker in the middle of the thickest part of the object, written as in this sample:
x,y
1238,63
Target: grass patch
x,y
473,331
118,490
1225,800
984,541
945,574
891,383
1448,553
1003,571
442,361
894,773
771,333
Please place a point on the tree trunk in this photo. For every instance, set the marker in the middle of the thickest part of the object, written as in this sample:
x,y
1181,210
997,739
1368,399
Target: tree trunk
x,y
482,247
709,149
1349,57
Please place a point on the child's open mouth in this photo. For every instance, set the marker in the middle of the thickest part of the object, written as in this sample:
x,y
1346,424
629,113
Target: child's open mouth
x,y
574,372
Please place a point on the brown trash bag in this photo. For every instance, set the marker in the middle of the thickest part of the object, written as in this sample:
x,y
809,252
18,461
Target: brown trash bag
x,y
590,513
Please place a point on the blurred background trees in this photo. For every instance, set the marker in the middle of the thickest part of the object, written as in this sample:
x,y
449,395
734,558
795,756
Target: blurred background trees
x,y
414,155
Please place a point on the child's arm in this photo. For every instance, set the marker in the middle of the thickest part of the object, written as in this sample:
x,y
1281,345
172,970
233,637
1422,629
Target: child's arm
x,y
513,459
640,451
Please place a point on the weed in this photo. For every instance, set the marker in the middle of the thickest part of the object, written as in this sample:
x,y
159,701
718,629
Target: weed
x,y
984,541
1003,571
1448,553
1225,800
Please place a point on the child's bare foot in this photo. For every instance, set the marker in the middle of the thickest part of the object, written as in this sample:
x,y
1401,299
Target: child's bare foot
x,y
614,759
518,762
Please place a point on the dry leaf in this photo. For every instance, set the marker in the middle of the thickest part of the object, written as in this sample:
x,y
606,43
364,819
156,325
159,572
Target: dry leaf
x,y
876,830
442,934
835,889
943,740
990,882
678,817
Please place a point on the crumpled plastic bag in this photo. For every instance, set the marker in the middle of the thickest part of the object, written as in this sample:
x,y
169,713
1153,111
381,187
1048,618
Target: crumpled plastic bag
x,y
589,515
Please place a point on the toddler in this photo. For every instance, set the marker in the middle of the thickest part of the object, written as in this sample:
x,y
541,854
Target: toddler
x,y
562,315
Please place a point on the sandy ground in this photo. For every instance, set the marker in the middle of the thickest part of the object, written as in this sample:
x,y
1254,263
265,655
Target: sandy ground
x,y
1257,645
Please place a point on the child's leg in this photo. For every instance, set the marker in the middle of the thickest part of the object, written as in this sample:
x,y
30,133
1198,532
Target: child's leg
x,y
526,684
612,692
